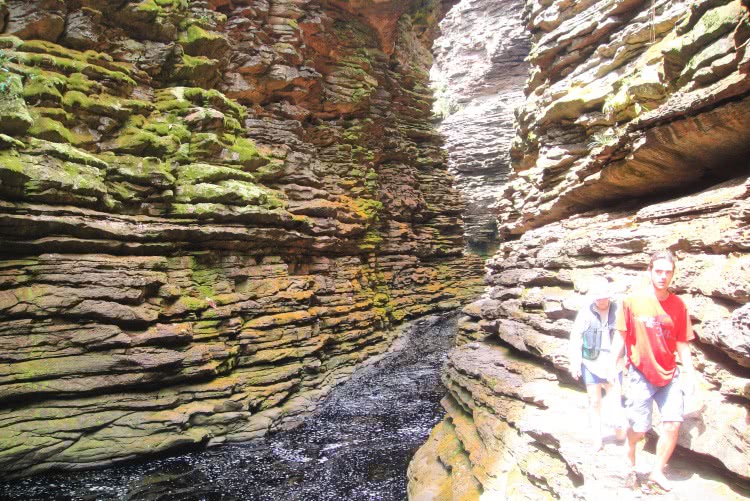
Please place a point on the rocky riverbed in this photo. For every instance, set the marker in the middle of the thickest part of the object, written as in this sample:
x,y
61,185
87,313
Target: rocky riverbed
x,y
356,446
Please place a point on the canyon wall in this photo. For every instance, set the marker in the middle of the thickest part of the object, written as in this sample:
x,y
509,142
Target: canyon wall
x,y
477,76
634,137
210,213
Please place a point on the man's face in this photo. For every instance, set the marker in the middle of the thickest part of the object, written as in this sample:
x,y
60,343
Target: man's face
x,y
662,272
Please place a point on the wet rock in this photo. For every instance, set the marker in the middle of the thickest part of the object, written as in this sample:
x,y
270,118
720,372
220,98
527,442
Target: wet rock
x,y
83,29
356,445
42,19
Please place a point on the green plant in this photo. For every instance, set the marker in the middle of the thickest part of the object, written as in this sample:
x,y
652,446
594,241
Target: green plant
x,y
5,86
604,138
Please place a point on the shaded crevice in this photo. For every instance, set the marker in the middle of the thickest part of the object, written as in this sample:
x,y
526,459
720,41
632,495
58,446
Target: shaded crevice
x,y
575,477
717,356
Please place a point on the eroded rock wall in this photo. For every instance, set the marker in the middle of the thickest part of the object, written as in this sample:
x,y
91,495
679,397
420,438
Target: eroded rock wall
x,y
478,74
649,102
639,111
210,213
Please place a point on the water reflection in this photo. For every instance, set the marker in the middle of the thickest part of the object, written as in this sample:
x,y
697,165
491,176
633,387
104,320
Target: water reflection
x,y
357,445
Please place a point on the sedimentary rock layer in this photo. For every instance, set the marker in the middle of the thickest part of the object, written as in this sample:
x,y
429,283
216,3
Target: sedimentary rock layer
x,y
636,110
210,213
518,416
650,101
478,74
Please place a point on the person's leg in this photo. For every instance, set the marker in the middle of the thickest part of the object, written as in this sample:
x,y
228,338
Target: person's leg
x,y
638,409
594,392
633,438
664,448
670,401
613,402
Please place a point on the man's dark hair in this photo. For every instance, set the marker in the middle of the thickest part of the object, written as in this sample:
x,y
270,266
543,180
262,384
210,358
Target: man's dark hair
x,y
662,254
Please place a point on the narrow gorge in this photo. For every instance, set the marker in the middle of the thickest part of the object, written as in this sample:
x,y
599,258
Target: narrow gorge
x,y
632,137
211,212
214,212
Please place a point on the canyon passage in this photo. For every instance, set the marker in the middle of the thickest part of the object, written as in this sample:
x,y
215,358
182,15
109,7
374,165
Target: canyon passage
x,y
357,445
215,213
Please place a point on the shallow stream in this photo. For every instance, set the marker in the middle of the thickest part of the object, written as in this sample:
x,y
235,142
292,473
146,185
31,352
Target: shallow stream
x,y
357,446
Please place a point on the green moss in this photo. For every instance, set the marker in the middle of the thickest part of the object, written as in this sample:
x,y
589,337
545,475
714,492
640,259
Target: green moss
x,y
173,105
701,32
371,240
368,209
193,303
231,124
7,142
10,42
150,7
51,130
81,83
195,34
204,278
92,61
171,128
212,98
206,173
272,170
232,192
721,19
69,66
110,106
47,178
58,114
38,88
141,170
245,152
137,141
10,162
205,145
67,152
15,119
198,69
83,177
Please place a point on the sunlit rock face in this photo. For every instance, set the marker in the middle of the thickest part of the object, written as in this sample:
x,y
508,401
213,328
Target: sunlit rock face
x,y
478,75
633,138
210,213
651,101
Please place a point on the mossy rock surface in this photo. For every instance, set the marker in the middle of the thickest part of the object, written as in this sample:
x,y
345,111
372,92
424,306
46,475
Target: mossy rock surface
x,y
15,119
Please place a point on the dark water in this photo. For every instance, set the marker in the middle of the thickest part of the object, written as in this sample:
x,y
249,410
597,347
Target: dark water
x,y
357,445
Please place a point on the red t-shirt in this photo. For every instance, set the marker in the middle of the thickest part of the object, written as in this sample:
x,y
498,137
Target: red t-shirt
x,y
653,329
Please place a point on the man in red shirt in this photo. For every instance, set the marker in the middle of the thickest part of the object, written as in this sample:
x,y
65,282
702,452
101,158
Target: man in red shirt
x,y
655,328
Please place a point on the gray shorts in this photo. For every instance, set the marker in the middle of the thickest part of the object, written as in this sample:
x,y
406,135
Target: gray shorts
x,y
640,397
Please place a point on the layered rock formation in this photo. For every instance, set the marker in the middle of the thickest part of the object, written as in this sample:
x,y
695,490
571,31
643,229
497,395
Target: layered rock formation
x,y
478,76
638,110
210,213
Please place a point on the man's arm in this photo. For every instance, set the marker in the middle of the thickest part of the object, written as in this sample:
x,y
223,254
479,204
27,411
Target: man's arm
x,y
687,376
618,347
